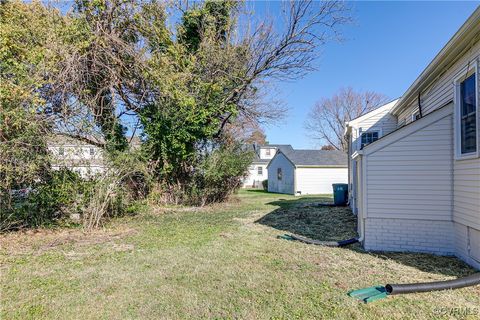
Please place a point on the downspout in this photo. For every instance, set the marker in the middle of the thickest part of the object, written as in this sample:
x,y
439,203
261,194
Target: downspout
x,y
420,105
360,219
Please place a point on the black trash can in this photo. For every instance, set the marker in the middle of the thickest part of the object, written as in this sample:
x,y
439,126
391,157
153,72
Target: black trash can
x,y
340,194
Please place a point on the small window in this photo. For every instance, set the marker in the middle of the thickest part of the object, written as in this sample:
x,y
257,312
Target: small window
x,y
92,151
279,173
267,152
369,137
61,151
415,116
468,115
260,170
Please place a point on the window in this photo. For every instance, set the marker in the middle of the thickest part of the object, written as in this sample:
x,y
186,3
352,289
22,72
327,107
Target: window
x,y
467,111
415,115
61,151
368,137
267,152
260,170
92,151
279,173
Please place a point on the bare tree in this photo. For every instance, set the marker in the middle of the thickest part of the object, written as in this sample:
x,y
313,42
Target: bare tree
x,y
326,120
281,51
246,131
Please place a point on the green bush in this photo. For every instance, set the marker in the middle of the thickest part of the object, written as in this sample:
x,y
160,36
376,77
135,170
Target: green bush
x,y
265,185
60,195
215,177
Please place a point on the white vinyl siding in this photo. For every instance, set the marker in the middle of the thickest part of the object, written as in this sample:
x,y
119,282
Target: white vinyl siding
x,y
287,183
319,180
411,177
442,91
466,209
267,153
254,178
383,123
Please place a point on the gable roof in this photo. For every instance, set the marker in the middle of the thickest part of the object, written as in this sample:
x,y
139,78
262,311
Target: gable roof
x,y
256,150
385,108
285,147
316,158
461,42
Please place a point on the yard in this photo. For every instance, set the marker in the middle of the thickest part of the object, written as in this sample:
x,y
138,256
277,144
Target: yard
x,y
218,262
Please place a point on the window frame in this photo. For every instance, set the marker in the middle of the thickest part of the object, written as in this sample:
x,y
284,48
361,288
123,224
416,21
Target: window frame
x,y
415,115
260,170
61,151
267,152
91,151
279,174
463,75
361,133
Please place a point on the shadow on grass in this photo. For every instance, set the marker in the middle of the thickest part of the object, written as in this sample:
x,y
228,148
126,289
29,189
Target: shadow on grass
x,y
257,191
305,217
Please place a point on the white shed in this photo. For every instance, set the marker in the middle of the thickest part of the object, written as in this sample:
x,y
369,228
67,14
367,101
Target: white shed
x,y
301,172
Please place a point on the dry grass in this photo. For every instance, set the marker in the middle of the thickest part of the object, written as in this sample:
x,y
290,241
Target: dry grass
x,y
222,262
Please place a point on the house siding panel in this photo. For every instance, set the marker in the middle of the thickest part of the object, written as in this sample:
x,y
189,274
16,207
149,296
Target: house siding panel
x,y
414,189
466,207
287,183
441,92
319,180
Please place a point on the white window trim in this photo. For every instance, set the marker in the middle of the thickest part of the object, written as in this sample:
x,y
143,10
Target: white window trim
x,y
360,132
414,115
457,124
260,170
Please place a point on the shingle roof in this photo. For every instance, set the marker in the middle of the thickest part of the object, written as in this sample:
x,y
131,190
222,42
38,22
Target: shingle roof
x,y
317,157
282,147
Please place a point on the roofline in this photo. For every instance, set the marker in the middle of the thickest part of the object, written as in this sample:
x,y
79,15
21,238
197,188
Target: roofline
x,y
307,166
323,166
450,53
348,124
374,111
276,154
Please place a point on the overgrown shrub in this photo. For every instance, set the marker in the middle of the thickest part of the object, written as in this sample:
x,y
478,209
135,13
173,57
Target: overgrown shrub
x,y
265,185
116,191
45,202
214,178
63,193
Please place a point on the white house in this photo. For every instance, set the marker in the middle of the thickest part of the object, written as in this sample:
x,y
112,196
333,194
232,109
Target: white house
x,y
418,187
364,130
301,172
80,156
257,172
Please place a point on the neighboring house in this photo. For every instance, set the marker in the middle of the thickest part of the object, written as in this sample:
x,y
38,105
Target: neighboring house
x,y
80,156
257,172
364,130
301,172
419,186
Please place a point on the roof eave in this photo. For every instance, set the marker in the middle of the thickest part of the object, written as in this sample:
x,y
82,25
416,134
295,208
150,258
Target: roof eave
x,y
448,54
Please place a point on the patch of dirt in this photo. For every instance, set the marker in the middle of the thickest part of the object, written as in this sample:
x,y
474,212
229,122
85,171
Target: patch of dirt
x,y
40,240
313,220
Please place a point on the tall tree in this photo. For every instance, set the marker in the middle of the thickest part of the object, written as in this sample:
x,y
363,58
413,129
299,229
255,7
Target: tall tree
x,y
326,119
215,71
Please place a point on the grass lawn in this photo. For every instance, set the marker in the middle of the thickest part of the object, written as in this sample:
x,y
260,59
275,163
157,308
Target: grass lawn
x,y
220,262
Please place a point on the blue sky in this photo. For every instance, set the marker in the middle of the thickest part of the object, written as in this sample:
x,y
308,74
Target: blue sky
x,y
385,49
